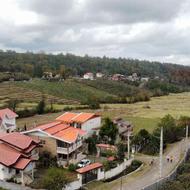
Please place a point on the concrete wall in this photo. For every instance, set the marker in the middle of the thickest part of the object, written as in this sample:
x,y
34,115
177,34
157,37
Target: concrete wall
x,y
115,171
6,173
3,127
90,124
73,185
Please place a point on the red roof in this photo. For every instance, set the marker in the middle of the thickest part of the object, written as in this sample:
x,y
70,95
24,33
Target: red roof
x,y
111,158
7,112
8,156
18,140
69,117
89,168
22,163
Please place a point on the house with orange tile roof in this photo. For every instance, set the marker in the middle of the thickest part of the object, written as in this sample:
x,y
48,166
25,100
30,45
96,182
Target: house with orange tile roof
x,y
18,154
7,120
88,122
61,139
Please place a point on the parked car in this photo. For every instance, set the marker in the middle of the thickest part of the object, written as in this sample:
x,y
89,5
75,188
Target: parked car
x,y
84,163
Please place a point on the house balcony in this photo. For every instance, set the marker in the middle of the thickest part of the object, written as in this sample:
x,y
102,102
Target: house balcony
x,y
63,150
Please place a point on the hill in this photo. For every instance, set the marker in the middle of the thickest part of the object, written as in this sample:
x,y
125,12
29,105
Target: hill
x,y
35,64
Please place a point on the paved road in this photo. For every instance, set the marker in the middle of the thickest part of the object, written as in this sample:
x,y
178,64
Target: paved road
x,y
148,174
152,173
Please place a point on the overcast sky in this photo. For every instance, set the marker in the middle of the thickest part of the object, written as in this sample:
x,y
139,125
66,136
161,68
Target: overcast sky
x,y
145,29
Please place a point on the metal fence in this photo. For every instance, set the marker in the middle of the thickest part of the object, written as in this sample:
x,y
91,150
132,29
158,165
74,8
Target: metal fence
x,y
172,176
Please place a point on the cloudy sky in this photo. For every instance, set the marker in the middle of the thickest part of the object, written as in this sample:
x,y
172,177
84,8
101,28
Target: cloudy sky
x,y
145,29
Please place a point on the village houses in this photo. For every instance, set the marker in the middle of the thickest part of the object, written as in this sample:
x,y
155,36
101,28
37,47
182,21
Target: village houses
x,y
88,76
64,136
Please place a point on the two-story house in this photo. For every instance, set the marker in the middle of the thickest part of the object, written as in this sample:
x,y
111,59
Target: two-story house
x,y
7,120
88,122
62,140
18,154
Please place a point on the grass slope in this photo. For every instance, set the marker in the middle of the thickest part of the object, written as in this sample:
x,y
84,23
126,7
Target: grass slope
x,y
69,89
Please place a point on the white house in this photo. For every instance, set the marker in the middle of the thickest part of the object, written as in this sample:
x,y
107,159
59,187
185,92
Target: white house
x,y
88,76
88,122
99,75
18,154
7,120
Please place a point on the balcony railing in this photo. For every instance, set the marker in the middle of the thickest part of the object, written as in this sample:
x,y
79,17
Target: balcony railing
x,y
70,149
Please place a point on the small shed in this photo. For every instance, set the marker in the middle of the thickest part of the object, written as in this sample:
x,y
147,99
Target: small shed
x,y
90,172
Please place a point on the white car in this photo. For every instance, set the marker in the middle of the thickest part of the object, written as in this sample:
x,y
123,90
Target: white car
x,y
84,163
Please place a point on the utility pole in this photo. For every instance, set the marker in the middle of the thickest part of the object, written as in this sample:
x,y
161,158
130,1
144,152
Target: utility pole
x,y
161,151
186,137
128,144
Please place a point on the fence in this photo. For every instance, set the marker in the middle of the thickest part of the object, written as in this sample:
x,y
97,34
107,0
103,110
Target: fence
x,y
172,176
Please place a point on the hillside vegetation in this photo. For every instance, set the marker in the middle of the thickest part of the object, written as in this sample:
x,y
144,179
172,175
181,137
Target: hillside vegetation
x,y
35,64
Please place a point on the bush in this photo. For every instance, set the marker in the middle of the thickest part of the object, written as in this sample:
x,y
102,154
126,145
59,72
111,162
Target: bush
x,y
55,179
134,165
72,167
47,160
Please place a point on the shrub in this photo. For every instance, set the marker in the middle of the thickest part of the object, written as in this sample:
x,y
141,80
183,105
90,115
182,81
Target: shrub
x,y
47,160
55,179
72,167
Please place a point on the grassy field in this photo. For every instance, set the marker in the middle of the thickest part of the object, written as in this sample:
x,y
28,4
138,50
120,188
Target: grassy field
x,y
143,114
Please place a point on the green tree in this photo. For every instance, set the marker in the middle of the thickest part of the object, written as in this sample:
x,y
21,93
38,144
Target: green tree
x,y
55,179
41,107
108,131
121,151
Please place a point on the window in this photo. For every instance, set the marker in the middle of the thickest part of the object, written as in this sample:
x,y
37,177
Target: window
x,y
43,142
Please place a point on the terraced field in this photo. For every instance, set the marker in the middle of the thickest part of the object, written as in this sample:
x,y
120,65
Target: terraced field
x,y
28,97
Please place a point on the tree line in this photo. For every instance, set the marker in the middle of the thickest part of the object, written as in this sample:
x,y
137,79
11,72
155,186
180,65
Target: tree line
x,y
71,65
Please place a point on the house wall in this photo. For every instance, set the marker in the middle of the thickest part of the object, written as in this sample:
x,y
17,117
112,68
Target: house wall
x,y
90,124
29,167
10,121
49,143
6,173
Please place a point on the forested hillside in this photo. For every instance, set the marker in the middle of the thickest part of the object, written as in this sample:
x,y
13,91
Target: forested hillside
x,y
35,64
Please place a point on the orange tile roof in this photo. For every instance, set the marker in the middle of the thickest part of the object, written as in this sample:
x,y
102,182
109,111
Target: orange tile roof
x,y
69,117
47,125
70,134
61,130
56,128
22,163
7,112
66,117
89,168
83,117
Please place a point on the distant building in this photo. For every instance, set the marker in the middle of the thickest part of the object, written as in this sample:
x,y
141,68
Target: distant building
x,y
118,77
7,120
125,128
145,79
99,75
88,76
